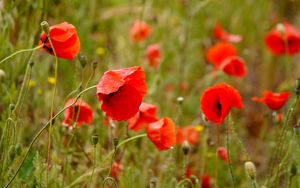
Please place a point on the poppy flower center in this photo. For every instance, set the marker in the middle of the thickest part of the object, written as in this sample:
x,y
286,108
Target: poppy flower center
x,y
112,94
219,106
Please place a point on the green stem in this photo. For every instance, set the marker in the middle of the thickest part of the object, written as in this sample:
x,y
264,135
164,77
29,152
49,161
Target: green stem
x,y
51,110
228,151
42,130
80,178
94,165
280,141
25,82
107,179
19,52
124,142
184,181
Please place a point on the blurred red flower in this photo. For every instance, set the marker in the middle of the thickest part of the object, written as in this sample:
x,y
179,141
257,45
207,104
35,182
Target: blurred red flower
x,y
217,101
64,39
139,31
219,52
205,179
234,66
121,92
285,40
222,153
116,170
162,133
153,55
145,115
188,133
222,35
80,113
274,101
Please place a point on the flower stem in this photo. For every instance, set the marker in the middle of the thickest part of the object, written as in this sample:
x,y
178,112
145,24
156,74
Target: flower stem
x,y
124,142
19,52
228,151
51,110
94,165
42,130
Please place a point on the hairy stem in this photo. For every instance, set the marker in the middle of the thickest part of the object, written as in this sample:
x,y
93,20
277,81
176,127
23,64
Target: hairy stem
x,y
42,130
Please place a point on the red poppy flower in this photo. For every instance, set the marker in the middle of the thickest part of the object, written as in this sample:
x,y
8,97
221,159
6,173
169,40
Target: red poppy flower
x,y
222,35
234,66
153,55
283,42
116,170
64,39
162,133
146,115
188,133
274,101
139,31
205,179
219,52
80,113
121,92
217,101
222,153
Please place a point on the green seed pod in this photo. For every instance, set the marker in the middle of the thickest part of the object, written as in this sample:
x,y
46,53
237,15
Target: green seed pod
x,y
45,27
31,63
186,148
95,139
12,152
12,107
83,60
115,142
250,169
2,75
293,169
94,64
18,149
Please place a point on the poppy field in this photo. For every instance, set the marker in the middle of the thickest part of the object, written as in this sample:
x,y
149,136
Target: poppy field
x,y
150,93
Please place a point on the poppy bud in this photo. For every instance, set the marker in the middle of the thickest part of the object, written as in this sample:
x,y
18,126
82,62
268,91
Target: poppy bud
x,y
153,182
12,107
250,169
18,149
297,129
293,169
45,27
115,143
280,28
95,139
180,100
83,60
2,75
31,63
94,64
185,147
297,89
204,118
12,152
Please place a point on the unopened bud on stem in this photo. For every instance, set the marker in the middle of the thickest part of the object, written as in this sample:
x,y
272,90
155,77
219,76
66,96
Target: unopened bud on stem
x,y
185,147
115,143
45,27
250,169
95,139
